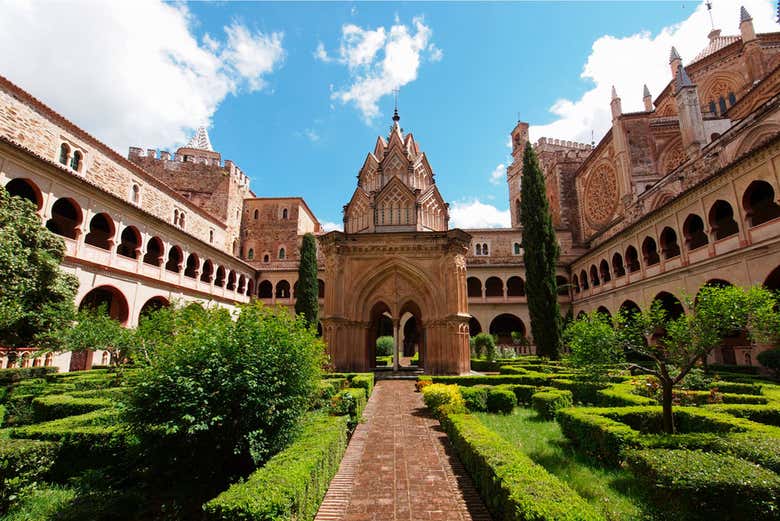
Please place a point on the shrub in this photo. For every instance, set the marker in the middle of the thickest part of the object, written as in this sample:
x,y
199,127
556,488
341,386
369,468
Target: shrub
x,y
224,395
706,485
621,394
513,487
351,402
501,400
597,436
523,393
768,414
55,406
485,344
743,369
9,376
440,399
22,463
583,391
483,365
291,485
770,359
364,381
512,369
422,382
547,403
475,398
384,346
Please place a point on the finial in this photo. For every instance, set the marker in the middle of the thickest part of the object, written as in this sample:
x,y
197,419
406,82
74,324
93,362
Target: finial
x,y
396,117
674,55
744,16
614,93
683,80
709,10
646,92
200,140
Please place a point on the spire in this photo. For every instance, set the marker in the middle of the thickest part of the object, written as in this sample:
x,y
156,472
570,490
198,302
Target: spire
x,y
646,92
744,16
614,93
615,105
647,99
200,140
683,80
674,55
396,117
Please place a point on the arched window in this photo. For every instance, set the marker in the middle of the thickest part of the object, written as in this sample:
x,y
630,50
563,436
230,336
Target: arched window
x,y
130,243
604,271
266,258
732,99
256,214
575,282
211,236
515,287
617,265
722,221
101,232
251,254
219,281
154,252
64,153
207,272
175,258
563,286
693,230
517,249
594,275
713,108
282,254
485,249
231,281
669,246
474,287
477,249
584,280
26,189
284,213
181,220
193,263
250,287
722,105
494,287
282,289
75,162
265,290
175,216
632,259
759,203
650,251
135,194
241,284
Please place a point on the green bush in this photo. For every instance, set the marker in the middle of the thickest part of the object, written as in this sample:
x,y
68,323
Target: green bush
x,y
770,359
351,402
384,346
55,406
620,394
501,400
707,486
523,393
512,369
513,487
226,393
442,399
22,463
583,391
484,365
736,387
597,436
768,414
2,414
485,345
291,485
475,398
547,403
742,369
13,375
364,381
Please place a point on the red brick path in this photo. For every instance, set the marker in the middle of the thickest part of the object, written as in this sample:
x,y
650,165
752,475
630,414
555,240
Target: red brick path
x,y
400,466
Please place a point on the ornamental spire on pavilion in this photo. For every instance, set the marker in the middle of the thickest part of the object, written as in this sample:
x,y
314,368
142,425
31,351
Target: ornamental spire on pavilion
x,y
396,189
200,140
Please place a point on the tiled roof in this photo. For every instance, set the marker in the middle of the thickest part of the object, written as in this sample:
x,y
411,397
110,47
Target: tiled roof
x,y
717,43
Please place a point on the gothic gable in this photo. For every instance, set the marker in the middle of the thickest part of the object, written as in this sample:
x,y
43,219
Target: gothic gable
x,y
395,205
358,215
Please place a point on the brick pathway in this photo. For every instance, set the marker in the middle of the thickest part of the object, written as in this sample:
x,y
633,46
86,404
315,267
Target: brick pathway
x,y
400,466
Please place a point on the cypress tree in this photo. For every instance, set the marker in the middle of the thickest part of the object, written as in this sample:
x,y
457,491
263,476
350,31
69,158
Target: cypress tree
x,y
307,299
540,254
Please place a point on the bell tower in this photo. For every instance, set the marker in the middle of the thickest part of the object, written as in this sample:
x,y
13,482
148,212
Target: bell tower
x,y
514,172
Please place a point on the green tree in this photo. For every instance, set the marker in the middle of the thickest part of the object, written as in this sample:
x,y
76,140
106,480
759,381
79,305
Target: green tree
x,y
224,393
540,255
36,297
675,345
484,343
385,345
593,342
95,330
307,299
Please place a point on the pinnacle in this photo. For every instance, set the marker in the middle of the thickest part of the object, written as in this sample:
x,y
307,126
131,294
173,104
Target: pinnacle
x,y
674,55
646,92
200,140
683,80
744,16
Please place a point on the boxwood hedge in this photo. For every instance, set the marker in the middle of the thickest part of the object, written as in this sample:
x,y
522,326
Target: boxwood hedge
x,y
547,403
513,487
475,398
291,485
23,462
501,400
9,376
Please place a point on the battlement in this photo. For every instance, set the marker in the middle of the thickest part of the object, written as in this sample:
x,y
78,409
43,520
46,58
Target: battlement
x,y
184,156
549,144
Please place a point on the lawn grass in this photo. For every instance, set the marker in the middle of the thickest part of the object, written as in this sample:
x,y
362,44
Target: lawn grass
x,y
614,491
41,504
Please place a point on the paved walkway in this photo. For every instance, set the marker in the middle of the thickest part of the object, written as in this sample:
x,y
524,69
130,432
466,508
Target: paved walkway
x,y
399,466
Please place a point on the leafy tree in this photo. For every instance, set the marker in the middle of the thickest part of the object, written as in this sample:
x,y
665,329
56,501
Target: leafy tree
x,y
594,343
674,345
484,343
36,297
95,330
385,345
307,300
771,360
222,395
540,254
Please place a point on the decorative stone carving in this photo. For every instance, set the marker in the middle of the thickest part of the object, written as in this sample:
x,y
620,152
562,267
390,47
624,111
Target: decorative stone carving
x,y
601,196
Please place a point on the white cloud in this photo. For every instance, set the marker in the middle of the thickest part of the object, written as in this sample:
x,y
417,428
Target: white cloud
x,y
380,60
131,73
312,135
497,175
329,226
321,54
475,214
632,61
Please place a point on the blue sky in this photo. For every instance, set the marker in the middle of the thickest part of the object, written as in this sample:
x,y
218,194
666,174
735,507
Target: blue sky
x,y
273,80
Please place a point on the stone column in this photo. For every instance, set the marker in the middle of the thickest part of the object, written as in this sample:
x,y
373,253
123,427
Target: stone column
x,y
396,341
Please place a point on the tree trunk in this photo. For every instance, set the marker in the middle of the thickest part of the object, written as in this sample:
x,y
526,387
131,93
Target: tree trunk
x,y
667,406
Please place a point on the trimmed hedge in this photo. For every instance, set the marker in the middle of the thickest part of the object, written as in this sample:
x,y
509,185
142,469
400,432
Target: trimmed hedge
x,y
736,387
620,395
443,399
291,485
582,391
767,414
501,400
597,436
23,462
707,486
547,403
2,414
9,376
351,402
512,369
513,487
475,398
364,381
54,406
